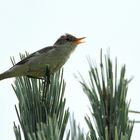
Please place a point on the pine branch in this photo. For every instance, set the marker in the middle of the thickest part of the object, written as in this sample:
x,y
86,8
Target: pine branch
x,y
75,131
107,95
41,119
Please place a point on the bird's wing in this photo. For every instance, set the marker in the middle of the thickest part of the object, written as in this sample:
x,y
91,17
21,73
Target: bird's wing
x,y
41,51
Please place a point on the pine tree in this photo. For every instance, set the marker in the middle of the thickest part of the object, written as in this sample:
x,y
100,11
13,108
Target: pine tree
x,y
107,95
43,116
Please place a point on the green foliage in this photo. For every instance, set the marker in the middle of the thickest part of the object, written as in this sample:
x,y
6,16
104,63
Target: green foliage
x,y
36,114
41,118
42,114
107,95
76,132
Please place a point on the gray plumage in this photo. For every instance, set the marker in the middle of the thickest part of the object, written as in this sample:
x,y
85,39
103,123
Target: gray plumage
x,y
52,57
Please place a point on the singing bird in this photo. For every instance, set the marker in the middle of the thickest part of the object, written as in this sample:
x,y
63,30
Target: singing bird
x,y
51,57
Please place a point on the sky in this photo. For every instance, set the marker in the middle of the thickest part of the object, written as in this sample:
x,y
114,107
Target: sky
x,y
29,25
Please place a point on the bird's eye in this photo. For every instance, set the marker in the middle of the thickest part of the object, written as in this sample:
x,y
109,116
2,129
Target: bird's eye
x,y
68,39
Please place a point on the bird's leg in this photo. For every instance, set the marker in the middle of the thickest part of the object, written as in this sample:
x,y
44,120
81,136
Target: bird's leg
x,y
46,83
47,75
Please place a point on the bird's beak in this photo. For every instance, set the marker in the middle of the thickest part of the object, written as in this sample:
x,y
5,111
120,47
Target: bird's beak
x,y
79,40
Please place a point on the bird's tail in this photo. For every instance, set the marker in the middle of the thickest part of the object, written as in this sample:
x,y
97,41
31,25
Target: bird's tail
x,y
14,72
5,75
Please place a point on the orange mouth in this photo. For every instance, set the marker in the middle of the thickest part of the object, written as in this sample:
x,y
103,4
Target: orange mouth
x,y
79,40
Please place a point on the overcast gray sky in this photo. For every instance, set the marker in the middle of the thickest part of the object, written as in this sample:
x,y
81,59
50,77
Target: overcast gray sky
x,y
28,25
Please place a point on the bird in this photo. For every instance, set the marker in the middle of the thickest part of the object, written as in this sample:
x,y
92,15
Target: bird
x,y
51,57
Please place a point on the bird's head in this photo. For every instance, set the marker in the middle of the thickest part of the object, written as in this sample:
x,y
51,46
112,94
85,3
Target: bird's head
x,y
69,40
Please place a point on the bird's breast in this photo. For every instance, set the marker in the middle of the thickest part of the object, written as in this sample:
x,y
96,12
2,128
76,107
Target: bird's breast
x,y
53,59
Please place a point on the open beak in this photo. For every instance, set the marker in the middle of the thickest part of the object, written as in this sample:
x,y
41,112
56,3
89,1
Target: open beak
x,y
79,40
